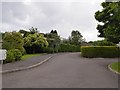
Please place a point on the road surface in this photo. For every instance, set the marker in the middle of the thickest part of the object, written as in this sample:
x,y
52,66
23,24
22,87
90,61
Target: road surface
x,y
66,70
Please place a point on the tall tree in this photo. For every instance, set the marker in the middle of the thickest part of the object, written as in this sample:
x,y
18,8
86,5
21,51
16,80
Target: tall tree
x,y
76,38
53,39
110,17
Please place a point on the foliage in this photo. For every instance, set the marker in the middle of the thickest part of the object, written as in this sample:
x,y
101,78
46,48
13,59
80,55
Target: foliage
x,y
36,42
48,50
31,41
110,17
33,30
54,40
69,48
13,40
102,43
13,55
65,41
0,40
100,51
17,54
24,33
76,38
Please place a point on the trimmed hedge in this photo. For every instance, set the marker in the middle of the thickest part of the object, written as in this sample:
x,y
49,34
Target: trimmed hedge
x,y
13,55
68,48
100,51
48,50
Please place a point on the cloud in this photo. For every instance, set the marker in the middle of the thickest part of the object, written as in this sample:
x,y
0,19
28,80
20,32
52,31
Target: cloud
x,y
62,16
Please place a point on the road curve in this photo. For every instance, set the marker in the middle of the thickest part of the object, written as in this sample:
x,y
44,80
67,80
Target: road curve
x,y
66,70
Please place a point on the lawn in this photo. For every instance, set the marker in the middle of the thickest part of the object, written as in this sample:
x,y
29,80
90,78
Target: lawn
x,y
29,56
115,66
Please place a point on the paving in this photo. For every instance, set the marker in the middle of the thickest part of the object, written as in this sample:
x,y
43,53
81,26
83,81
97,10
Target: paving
x,y
25,63
67,70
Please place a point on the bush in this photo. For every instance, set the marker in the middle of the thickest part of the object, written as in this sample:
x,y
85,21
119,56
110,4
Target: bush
x,y
103,43
100,51
69,48
13,55
17,54
22,50
48,50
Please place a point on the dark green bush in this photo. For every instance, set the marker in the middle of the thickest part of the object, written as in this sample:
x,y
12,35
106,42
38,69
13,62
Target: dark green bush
x,y
100,51
68,48
13,55
48,50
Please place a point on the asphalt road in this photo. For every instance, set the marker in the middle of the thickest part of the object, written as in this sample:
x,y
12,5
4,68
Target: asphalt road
x,y
67,70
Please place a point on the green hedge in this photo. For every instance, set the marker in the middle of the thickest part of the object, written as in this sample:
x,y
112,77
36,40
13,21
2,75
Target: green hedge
x,y
48,50
68,48
13,55
100,51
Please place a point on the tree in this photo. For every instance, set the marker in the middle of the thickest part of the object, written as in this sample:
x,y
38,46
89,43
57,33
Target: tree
x,y
33,30
53,39
33,43
52,31
110,17
76,38
13,40
24,33
65,41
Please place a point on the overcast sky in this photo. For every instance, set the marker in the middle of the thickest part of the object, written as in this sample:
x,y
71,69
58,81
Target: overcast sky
x,y
64,16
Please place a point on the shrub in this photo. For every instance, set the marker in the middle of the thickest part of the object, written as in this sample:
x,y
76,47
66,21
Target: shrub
x,y
100,51
10,56
13,55
48,50
103,43
17,54
68,48
22,50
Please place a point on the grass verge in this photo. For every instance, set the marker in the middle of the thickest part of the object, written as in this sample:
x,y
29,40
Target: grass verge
x,y
29,56
115,66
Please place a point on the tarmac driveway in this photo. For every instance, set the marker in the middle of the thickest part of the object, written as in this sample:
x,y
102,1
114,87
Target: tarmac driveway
x,y
66,70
